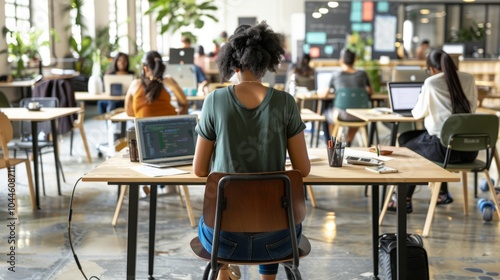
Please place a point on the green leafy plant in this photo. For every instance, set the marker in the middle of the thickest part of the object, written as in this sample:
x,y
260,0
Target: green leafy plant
x,y
473,33
358,44
177,14
81,46
22,47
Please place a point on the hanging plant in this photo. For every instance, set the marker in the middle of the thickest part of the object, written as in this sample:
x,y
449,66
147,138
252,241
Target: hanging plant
x,y
174,15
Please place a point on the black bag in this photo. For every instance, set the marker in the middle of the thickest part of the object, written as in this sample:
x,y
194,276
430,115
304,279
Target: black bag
x,y
417,263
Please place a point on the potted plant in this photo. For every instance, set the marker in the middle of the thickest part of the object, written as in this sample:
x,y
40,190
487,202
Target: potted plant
x,y
23,47
362,47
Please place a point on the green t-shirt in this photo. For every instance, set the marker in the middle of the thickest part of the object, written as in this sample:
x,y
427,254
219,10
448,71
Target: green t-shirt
x,y
249,140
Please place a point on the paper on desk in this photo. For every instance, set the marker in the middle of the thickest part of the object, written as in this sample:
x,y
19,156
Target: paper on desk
x,y
365,154
158,172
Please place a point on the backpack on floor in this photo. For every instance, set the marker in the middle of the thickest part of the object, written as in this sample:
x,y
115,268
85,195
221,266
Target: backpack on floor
x,y
417,263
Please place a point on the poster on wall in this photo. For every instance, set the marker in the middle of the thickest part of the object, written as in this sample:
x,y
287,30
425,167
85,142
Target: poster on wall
x,y
329,24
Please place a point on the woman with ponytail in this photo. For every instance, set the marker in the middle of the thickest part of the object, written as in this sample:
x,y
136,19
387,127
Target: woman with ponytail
x,y
447,91
149,96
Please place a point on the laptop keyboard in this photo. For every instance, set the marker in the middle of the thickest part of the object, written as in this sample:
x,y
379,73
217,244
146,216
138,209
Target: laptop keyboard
x,y
170,163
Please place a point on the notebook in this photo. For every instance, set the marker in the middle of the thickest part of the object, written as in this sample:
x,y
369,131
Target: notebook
x,y
166,141
181,56
183,74
112,82
403,96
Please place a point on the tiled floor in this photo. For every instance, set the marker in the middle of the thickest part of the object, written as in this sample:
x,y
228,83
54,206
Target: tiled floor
x,y
339,229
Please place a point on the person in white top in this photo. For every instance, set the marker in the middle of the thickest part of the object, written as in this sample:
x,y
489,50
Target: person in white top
x,y
447,91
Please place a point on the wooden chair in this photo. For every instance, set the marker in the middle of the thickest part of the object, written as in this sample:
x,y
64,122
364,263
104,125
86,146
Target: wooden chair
x,y
463,132
257,202
6,134
351,98
78,124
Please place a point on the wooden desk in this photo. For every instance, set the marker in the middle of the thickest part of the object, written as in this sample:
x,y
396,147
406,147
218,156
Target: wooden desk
x,y
373,116
45,114
413,169
25,86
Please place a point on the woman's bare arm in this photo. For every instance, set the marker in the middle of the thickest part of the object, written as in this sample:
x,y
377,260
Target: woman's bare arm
x,y
179,94
202,157
129,97
297,151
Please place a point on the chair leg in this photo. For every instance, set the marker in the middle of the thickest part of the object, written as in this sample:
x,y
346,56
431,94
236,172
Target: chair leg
x,y
71,143
43,177
85,144
119,204
364,136
465,191
493,193
181,199
386,204
497,162
311,195
30,184
432,207
188,205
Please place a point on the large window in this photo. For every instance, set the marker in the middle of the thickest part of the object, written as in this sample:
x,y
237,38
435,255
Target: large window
x,y
142,26
17,15
118,25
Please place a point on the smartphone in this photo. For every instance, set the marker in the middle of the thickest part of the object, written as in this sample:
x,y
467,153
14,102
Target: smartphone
x,y
382,169
363,161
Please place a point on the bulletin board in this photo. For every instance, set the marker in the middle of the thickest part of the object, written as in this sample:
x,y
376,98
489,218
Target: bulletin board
x,y
326,36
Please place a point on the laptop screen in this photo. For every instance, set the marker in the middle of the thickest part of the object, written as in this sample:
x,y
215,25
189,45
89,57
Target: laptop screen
x,y
403,96
181,56
123,80
169,137
322,79
183,74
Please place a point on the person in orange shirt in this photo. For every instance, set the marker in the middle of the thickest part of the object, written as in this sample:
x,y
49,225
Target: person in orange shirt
x,y
149,96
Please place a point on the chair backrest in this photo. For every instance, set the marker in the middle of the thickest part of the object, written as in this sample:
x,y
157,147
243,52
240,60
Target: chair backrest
x,y
4,101
470,132
253,202
351,98
6,134
45,102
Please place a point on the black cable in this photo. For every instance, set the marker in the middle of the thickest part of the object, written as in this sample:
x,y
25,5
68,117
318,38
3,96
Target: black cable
x,y
69,233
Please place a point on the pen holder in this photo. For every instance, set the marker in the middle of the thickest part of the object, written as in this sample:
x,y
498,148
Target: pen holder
x,y
336,154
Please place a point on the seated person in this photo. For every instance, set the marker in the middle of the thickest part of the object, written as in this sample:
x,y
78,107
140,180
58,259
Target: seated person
x,y
349,77
120,66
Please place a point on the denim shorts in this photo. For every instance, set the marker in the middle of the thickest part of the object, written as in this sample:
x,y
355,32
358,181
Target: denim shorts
x,y
263,246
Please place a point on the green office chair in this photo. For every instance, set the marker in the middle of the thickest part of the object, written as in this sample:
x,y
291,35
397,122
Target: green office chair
x,y
467,133
4,101
351,98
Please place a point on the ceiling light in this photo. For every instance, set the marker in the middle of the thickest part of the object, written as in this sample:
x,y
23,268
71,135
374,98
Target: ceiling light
x,y
468,1
424,20
323,10
333,4
425,11
316,15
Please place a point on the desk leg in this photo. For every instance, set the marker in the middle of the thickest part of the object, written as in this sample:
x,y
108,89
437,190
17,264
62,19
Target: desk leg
x,y
133,206
375,233
401,237
394,134
373,128
55,144
34,134
152,229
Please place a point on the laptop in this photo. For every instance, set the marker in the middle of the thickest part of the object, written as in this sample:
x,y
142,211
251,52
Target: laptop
x,y
181,56
183,74
166,141
323,75
403,96
117,85
409,75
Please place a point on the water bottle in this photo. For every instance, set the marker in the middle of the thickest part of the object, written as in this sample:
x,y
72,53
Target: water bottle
x,y
487,208
292,85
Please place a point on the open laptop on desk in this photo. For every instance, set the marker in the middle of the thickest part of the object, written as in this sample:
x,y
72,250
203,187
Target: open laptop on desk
x,y
166,141
403,96
117,85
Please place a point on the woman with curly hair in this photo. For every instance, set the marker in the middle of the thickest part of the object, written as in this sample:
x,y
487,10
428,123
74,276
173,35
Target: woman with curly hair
x,y
148,96
253,126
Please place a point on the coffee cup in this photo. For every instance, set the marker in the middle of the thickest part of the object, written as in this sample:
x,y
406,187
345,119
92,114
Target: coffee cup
x,y
33,105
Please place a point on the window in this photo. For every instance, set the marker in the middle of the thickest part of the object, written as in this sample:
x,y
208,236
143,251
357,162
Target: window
x,y
17,15
118,17
142,26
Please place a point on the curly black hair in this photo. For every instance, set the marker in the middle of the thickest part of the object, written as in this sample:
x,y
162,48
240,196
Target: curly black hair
x,y
254,48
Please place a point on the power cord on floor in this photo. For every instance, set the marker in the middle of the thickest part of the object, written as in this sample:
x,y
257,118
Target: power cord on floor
x,y
69,233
